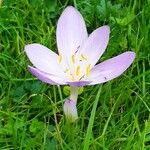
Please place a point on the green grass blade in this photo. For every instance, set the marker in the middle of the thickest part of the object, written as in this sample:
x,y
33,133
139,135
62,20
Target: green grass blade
x,y
91,121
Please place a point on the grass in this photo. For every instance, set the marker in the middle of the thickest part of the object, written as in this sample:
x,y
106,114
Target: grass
x,y
112,116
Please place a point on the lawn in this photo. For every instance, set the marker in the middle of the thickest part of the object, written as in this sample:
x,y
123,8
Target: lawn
x,y
112,116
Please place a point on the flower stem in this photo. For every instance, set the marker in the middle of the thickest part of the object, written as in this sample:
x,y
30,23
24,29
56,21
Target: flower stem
x,y
74,93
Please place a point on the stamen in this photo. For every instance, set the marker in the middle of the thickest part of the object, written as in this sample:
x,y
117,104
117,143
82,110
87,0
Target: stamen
x,y
59,59
73,59
83,57
66,70
81,77
76,51
78,47
72,77
78,71
88,68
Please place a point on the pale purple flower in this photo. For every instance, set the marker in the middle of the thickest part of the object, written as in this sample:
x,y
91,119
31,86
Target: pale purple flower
x,y
78,54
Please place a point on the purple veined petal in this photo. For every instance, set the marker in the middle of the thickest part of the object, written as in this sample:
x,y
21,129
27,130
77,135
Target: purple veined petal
x,y
111,68
71,32
96,44
46,78
79,83
70,110
44,59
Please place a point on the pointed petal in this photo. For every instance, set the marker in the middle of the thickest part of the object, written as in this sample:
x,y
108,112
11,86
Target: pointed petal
x,y
71,31
79,83
96,44
45,77
70,110
43,59
111,68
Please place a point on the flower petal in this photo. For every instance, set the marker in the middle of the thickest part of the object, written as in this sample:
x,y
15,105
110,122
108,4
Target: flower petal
x,y
44,59
96,44
45,77
111,68
71,31
79,83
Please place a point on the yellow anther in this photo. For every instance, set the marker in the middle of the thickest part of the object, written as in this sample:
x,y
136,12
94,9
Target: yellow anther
x,y
73,59
83,57
60,59
78,71
88,68
72,77
66,70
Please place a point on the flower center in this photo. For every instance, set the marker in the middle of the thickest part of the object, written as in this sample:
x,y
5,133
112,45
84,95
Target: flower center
x,y
78,67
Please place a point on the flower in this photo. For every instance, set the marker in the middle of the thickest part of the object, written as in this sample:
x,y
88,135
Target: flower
x,y
78,54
